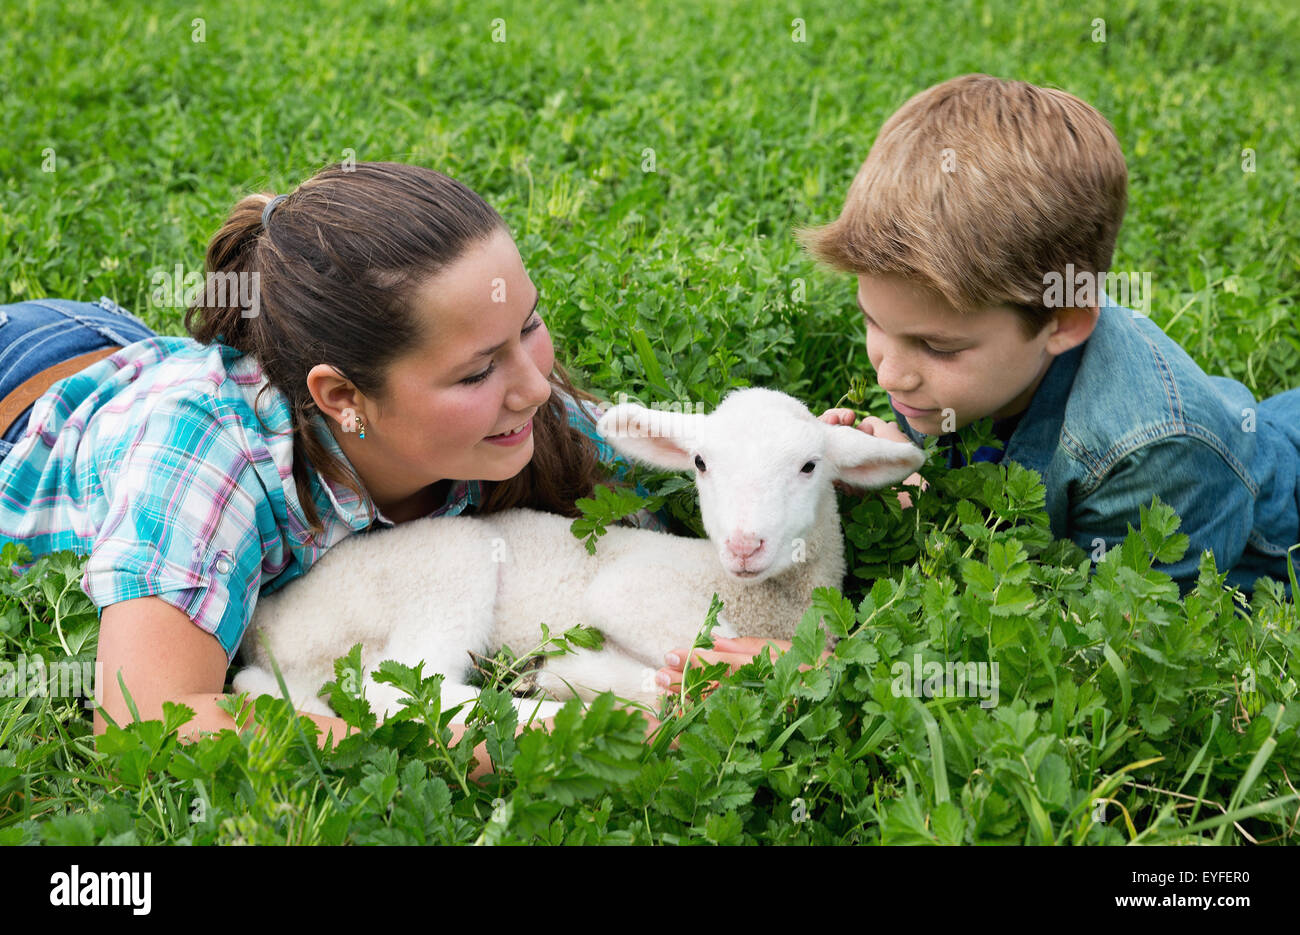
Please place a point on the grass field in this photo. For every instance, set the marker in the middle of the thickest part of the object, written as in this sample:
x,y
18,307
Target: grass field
x,y
652,160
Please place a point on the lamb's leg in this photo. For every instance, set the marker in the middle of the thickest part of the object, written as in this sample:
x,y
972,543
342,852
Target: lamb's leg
x,y
528,708
384,699
642,619
445,652
590,673
455,615
535,709
257,681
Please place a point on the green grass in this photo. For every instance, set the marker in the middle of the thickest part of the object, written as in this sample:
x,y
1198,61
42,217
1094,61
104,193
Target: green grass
x,y
155,136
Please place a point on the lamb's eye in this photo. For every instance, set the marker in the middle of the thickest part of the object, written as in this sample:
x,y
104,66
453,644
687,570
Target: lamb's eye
x,y
808,468
699,463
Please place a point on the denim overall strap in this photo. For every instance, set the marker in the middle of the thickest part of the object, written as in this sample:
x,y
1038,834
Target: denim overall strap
x,y
41,333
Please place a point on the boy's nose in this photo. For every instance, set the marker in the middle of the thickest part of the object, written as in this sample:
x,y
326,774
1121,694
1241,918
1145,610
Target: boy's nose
x,y
896,377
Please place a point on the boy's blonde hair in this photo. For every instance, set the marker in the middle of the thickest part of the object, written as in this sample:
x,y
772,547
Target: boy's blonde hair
x,y
978,187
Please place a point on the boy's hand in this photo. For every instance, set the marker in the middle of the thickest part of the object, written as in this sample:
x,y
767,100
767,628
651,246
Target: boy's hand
x,y
839,417
880,429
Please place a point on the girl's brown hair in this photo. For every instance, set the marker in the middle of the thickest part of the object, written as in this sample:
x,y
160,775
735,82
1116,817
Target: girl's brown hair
x,y
337,268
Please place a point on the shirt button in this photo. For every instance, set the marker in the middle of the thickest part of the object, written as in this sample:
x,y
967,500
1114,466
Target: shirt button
x,y
223,565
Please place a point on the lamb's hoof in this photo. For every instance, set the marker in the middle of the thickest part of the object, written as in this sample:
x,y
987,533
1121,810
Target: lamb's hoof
x,y
255,681
259,682
724,629
528,675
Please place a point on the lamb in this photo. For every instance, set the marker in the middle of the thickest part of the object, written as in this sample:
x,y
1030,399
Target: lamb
x,y
436,589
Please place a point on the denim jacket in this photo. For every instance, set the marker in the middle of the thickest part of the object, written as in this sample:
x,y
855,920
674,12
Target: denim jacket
x,y
1128,415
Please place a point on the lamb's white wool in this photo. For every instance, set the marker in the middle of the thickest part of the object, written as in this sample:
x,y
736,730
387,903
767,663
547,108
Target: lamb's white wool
x,y
435,589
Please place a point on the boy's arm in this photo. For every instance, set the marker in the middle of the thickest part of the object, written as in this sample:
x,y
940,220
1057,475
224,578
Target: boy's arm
x,y
1216,507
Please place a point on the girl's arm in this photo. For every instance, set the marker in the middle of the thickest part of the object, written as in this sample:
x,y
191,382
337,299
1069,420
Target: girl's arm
x,y
163,656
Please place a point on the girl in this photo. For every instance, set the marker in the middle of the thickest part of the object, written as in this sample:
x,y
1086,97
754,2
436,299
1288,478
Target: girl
x,y
365,351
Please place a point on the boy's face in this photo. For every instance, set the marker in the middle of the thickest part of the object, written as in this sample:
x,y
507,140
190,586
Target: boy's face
x,y
944,370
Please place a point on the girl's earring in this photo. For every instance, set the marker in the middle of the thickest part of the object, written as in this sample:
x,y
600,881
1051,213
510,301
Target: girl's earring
x,y
361,427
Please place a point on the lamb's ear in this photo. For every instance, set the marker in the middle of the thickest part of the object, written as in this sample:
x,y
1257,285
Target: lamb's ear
x,y
862,460
663,439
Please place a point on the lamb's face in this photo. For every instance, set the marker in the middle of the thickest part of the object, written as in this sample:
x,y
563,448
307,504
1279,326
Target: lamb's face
x,y
762,485
764,467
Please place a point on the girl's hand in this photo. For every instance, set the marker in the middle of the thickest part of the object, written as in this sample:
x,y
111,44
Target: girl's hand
x,y
889,431
735,652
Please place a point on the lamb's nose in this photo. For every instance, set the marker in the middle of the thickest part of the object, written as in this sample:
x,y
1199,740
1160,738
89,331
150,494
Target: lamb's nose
x,y
743,545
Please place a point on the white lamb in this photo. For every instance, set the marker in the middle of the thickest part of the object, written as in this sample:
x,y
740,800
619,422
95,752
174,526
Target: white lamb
x,y
435,589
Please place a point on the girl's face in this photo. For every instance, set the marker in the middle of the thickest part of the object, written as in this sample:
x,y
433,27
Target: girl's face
x,y
480,371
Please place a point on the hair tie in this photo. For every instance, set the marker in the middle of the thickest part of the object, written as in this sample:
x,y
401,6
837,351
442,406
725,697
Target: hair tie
x,y
270,206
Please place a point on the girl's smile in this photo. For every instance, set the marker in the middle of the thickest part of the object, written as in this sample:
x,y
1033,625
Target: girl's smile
x,y
513,437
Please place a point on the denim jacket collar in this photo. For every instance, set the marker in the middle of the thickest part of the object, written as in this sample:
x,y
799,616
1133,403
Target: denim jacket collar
x,y
1035,440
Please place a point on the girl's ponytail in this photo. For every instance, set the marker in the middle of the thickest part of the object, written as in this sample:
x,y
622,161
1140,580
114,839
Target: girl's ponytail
x,y
219,315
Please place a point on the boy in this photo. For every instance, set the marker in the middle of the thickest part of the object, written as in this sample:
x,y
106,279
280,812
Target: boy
x,y
981,227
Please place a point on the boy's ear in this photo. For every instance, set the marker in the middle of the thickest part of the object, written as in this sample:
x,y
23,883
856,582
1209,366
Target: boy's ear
x,y
1073,327
864,461
661,439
